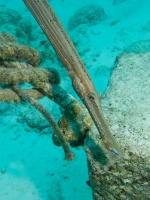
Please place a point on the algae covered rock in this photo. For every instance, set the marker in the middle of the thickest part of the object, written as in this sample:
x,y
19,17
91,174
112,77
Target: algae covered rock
x,y
126,107
91,14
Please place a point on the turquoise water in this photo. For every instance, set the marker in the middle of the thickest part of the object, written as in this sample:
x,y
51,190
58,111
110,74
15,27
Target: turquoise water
x,y
31,167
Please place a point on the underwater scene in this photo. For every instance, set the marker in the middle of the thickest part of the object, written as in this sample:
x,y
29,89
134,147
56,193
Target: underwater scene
x,y
74,100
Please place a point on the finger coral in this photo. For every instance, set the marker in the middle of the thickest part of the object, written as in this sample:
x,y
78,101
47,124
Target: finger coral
x,y
8,95
31,75
68,154
40,78
11,50
6,38
20,52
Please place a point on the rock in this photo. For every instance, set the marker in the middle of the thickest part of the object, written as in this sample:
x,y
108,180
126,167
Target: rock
x,y
126,106
91,14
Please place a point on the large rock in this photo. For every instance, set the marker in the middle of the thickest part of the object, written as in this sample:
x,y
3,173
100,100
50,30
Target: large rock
x,y
126,106
91,14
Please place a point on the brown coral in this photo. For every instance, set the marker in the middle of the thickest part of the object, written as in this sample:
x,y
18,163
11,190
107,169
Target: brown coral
x,y
40,78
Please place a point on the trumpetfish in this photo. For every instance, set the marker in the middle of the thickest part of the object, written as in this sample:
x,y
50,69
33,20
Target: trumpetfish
x,y
67,53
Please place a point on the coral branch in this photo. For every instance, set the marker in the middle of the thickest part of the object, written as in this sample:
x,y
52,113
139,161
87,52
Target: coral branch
x,y
8,95
68,154
32,75
20,52
6,38
13,72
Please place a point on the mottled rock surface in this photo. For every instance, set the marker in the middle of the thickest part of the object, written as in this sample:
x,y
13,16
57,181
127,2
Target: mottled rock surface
x,y
127,103
126,107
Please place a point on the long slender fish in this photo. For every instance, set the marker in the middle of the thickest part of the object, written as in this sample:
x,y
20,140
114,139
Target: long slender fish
x,y
81,81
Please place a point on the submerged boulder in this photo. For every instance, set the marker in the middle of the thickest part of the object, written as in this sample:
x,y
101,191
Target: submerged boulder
x,y
126,107
91,14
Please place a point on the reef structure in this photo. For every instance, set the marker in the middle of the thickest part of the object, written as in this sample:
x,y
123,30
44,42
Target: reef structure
x,y
125,177
16,66
127,112
126,107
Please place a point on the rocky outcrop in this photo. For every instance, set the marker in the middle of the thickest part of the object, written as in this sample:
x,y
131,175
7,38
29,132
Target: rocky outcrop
x,y
126,107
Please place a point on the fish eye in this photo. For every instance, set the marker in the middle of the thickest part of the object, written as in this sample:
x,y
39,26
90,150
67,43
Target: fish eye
x,y
91,96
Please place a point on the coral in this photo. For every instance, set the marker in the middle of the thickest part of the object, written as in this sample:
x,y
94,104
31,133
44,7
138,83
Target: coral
x,y
91,14
8,95
127,179
126,106
141,46
21,52
25,26
9,15
40,78
35,76
68,154
81,80
22,30
7,38
112,176
11,50
47,53
75,123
